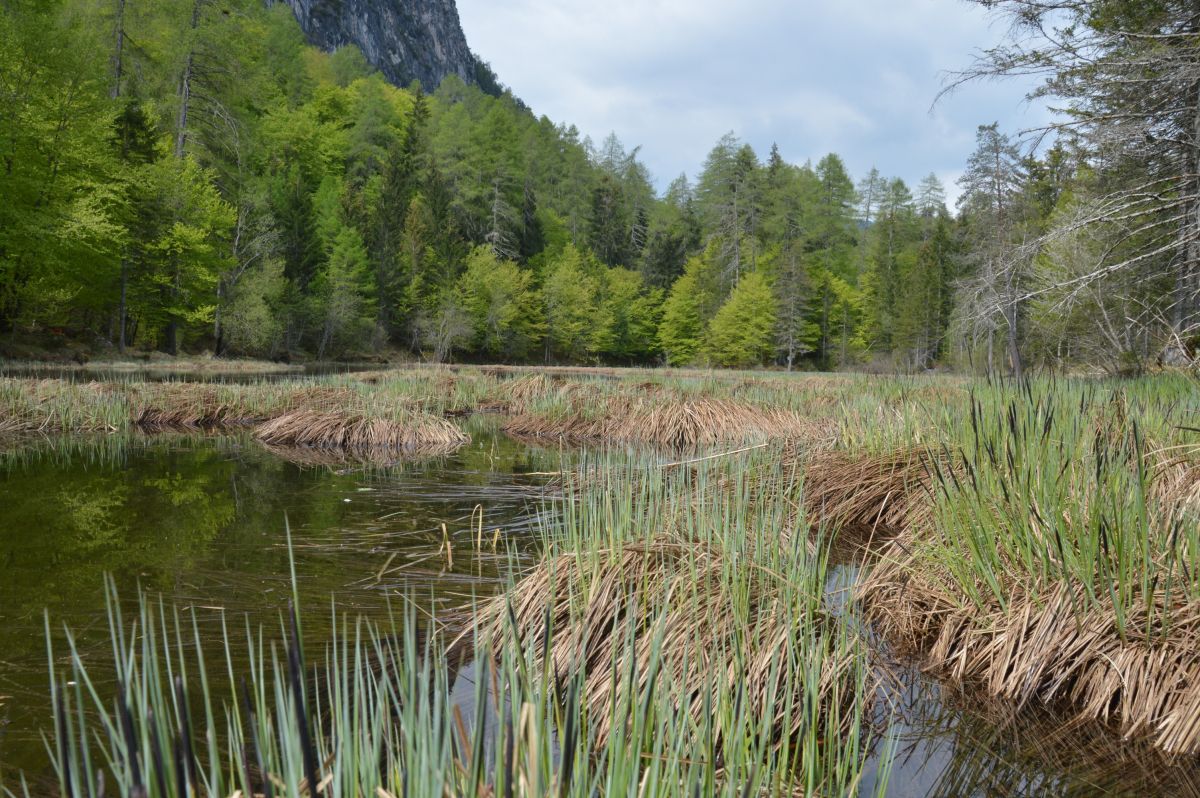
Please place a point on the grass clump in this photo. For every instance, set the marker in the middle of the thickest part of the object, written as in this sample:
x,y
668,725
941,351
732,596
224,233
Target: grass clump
x,y
353,433
691,583
1059,561
669,422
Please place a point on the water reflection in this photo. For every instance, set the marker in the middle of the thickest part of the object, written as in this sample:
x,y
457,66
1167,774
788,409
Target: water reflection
x,y
201,520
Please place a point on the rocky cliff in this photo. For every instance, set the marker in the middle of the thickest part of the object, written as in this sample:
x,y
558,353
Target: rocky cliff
x,y
403,39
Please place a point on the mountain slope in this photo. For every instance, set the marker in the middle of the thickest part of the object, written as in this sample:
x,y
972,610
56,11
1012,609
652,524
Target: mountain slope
x,y
406,40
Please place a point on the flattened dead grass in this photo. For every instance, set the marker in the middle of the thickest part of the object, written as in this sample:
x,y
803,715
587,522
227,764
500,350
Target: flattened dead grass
x,y
1049,646
363,435
673,423
181,406
888,491
663,610
1023,638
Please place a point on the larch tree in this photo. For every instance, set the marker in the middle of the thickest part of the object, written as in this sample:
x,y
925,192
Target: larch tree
x,y
992,186
741,335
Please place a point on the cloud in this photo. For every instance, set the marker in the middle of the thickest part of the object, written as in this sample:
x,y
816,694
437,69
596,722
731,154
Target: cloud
x,y
855,77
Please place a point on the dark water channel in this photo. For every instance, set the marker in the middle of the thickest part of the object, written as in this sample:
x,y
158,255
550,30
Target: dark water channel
x,y
201,521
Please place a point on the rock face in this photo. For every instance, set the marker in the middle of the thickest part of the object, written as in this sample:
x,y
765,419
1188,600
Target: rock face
x,y
403,39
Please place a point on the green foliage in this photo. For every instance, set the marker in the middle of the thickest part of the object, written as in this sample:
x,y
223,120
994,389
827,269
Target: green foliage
x,y
297,203
681,332
571,300
742,333
502,305
341,292
250,324
630,315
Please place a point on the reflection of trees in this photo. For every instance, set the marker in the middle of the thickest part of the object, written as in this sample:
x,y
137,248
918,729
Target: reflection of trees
x,y
200,520
149,511
97,518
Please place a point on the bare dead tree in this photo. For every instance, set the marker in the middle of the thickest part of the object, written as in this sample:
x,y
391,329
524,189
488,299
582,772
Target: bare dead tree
x,y
1124,81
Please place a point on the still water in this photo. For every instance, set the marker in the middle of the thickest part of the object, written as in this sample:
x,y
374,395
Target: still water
x,y
203,520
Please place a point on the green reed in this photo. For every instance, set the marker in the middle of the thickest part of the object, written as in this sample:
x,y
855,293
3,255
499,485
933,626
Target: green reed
x,y
376,713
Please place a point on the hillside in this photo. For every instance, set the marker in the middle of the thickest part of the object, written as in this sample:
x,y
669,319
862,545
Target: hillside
x,y
412,40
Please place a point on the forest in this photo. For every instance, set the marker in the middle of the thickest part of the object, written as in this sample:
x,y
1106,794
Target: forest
x,y
191,176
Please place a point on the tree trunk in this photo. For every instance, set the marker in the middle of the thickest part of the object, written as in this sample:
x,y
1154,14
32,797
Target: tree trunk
x,y
123,312
218,344
825,328
114,93
845,332
1186,284
185,96
1014,351
185,87
118,51
326,337
737,239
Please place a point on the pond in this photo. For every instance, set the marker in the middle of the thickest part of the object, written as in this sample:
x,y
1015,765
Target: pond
x,y
203,521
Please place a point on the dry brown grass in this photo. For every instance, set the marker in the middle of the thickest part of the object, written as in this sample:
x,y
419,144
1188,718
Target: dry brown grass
x,y
524,390
522,393
887,492
353,432
186,406
667,598
683,424
1046,642
1049,646
203,406
1176,484
55,405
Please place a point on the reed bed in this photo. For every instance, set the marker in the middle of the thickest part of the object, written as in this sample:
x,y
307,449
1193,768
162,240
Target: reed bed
x,y
658,574
1055,563
671,423
371,422
50,405
702,663
413,434
663,610
1037,543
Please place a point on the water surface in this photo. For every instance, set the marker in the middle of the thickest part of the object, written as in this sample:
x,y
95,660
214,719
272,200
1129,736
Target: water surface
x,y
203,520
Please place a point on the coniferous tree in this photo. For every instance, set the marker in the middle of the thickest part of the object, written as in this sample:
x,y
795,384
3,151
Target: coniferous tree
x,y
992,188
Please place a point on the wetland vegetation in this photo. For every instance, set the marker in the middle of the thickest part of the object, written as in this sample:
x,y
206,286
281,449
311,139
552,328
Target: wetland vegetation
x,y
959,556
723,582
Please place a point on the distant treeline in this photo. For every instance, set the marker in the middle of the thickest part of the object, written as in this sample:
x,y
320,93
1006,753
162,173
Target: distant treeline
x,y
190,174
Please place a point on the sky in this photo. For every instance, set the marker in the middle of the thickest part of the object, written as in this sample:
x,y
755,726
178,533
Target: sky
x,y
855,77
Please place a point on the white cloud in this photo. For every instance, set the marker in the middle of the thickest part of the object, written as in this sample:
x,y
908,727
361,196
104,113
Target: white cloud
x,y
854,76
